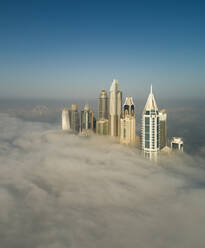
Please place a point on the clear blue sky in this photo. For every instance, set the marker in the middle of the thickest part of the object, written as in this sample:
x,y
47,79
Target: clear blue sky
x,y
64,49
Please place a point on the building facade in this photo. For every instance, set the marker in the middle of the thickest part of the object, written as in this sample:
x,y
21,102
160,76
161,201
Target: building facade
x,y
75,122
150,125
128,123
86,119
115,109
163,128
102,127
103,105
66,120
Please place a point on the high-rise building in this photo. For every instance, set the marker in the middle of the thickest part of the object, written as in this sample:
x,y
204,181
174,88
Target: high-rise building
x,y
75,118
102,127
103,105
66,121
86,119
163,128
102,123
177,144
115,108
150,125
128,123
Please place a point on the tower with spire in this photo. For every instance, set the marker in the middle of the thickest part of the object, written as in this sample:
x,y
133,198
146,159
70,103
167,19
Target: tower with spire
x,y
115,108
150,125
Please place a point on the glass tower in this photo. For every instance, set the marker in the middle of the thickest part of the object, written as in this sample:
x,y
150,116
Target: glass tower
x,y
150,125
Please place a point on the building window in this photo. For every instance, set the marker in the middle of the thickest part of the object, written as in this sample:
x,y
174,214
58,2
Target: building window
x,y
146,120
146,144
146,136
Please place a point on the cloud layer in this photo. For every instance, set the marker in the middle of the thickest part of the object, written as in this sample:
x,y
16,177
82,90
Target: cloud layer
x,y
58,191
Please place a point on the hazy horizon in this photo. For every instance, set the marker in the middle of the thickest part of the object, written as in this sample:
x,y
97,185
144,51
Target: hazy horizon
x,y
184,117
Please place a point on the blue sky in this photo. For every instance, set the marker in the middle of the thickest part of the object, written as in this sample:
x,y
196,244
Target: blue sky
x,y
65,49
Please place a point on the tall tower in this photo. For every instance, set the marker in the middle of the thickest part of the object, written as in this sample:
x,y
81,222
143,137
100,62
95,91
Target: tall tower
x,y
163,128
115,108
128,123
150,125
75,118
65,119
103,105
86,119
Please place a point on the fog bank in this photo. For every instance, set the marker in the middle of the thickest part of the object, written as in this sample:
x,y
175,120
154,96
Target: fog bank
x,y
58,190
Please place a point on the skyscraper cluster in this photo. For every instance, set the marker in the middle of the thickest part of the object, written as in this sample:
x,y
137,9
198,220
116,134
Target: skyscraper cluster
x,y
119,121
75,122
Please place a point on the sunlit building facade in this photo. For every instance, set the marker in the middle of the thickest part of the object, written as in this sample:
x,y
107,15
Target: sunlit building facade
x,y
66,119
128,123
102,127
115,108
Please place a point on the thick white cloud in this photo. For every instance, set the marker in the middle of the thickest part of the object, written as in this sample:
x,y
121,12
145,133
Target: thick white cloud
x,y
58,190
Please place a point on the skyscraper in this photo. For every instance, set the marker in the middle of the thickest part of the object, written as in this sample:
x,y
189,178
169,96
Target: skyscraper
x,y
177,144
163,128
115,108
86,119
75,118
103,105
150,125
128,123
102,123
66,119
